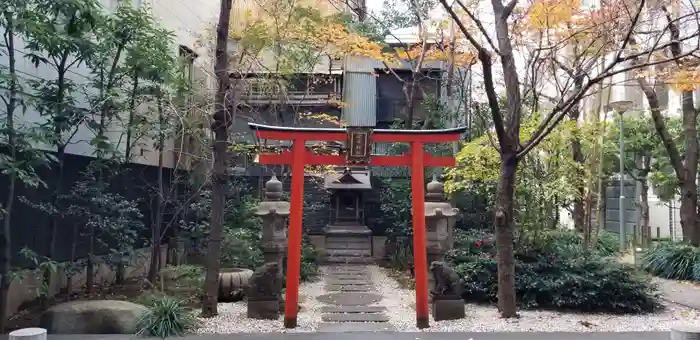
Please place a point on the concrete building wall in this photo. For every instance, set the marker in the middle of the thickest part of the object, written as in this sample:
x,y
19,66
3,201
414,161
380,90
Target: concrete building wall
x,y
186,19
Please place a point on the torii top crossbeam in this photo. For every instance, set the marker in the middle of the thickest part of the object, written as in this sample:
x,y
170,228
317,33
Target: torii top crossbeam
x,y
358,152
362,144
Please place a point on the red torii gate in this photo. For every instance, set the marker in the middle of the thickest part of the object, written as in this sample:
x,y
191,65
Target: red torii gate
x,y
359,141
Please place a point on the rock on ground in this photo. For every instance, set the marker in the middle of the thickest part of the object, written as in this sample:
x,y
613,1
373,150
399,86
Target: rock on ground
x,y
93,317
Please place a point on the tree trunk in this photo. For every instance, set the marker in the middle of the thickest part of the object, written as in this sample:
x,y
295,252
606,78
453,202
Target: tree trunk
x,y
578,213
503,223
156,231
56,214
219,127
644,212
689,189
73,255
130,122
601,199
90,265
12,178
685,169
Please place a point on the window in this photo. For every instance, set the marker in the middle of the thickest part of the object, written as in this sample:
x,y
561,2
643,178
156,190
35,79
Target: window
x,y
187,57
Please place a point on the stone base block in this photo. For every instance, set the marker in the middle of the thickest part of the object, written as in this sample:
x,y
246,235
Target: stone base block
x,y
264,309
448,309
685,332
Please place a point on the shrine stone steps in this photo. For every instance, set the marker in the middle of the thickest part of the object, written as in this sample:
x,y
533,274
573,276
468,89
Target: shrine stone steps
x,y
349,260
334,252
332,244
348,231
355,310
348,244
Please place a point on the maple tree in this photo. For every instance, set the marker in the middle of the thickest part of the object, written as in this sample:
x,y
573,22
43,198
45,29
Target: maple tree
x,y
569,50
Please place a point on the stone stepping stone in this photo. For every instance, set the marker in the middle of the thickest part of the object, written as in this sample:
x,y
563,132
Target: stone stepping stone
x,y
347,273
354,317
353,309
348,269
348,282
337,327
349,277
349,288
350,298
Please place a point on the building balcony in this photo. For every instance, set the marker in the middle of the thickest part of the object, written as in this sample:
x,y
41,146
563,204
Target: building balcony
x,y
302,98
390,109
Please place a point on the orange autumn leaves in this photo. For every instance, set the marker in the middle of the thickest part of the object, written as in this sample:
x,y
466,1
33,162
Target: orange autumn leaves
x,y
595,32
564,22
436,52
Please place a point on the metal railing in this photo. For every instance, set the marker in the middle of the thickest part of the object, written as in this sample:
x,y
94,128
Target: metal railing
x,y
291,97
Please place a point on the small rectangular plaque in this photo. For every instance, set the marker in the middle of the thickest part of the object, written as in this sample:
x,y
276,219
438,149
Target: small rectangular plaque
x,y
359,145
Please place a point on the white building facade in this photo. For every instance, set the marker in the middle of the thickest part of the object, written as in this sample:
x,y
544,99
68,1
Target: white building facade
x,y
187,20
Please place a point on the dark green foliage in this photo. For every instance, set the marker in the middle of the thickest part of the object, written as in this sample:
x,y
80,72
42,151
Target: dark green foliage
x,y
567,242
395,207
309,262
475,207
552,272
673,260
242,234
166,317
401,253
242,237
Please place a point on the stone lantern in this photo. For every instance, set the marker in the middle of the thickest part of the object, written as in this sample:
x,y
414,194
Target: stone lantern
x,y
440,218
274,213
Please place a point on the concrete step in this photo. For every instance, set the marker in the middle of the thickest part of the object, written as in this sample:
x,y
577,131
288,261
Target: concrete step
x,y
333,244
347,230
349,259
348,252
348,239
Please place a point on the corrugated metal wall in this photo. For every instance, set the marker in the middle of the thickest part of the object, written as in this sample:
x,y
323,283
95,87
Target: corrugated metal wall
x,y
612,207
360,97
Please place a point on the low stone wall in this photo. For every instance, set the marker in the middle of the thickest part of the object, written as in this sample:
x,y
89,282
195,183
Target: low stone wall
x,y
25,287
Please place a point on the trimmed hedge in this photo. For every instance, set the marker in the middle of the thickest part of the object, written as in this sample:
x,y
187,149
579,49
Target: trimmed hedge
x,y
552,272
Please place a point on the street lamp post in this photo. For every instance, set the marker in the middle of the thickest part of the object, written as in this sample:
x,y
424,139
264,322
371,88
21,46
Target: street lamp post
x,y
621,107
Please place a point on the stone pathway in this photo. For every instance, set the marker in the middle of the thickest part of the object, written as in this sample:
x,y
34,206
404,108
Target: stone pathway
x,y
679,292
352,302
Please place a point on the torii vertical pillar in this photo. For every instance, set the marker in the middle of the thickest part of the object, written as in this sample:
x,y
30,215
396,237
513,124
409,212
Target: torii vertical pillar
x,y
291,299
420,255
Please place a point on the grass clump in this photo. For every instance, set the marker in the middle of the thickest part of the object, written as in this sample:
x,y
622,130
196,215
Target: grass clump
x,y
166,317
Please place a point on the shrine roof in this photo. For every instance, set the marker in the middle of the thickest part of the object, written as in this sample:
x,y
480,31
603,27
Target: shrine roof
x,y
348,180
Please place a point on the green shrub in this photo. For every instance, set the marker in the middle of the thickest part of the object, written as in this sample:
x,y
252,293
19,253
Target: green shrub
x,y
166,317
583,284
552,272
535,245
673,260
309,262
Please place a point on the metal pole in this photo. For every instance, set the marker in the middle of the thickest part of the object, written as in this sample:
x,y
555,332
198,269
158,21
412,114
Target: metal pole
x,y
622,184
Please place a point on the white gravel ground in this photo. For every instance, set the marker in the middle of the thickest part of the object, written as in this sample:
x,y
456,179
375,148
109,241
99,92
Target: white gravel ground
x,y
399,303
232,316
